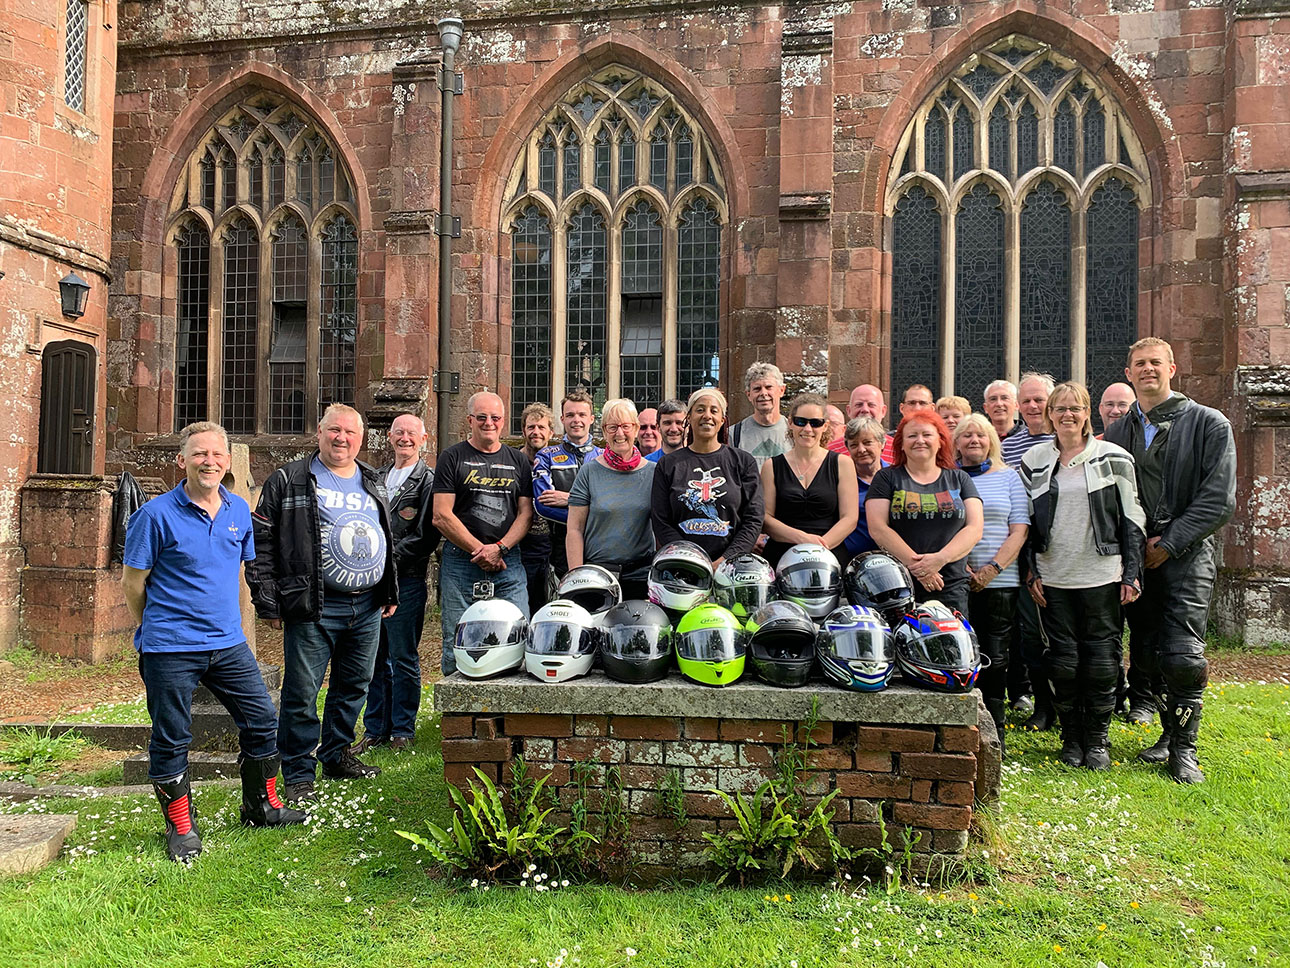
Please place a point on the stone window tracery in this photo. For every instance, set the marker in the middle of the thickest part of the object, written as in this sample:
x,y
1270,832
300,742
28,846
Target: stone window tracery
x,y
615,210
265,274
1013,208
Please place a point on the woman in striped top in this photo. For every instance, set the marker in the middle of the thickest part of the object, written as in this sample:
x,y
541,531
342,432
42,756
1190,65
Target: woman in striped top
x,y
992,564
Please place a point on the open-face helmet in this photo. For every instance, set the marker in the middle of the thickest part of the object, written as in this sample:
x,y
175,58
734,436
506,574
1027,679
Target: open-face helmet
x,y
743,584
937,648
490,638
710,646
781,644
591,586
809,574
877,580
561,642
636,642
680,577
856,649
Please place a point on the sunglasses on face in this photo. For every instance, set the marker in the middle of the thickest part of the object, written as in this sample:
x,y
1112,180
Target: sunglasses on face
x,y
485,418
816,422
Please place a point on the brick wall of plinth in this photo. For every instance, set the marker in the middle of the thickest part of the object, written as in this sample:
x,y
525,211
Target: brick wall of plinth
x,y
921,777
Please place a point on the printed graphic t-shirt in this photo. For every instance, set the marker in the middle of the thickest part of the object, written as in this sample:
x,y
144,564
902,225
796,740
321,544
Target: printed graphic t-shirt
x,y
488,487
353,542
926,516
712,499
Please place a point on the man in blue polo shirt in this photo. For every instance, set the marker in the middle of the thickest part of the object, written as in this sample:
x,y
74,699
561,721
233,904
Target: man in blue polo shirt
x,y
183,553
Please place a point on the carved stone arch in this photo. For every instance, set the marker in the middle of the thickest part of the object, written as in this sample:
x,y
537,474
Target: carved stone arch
x,y
318,224
187,216
574,203
688,195
656,199
234,214
515,208
1130,177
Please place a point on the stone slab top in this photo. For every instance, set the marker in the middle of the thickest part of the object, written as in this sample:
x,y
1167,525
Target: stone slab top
x,y
30,841
598,695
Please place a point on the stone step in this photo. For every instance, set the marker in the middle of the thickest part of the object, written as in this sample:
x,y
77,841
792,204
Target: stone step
x,y
201,766
30,841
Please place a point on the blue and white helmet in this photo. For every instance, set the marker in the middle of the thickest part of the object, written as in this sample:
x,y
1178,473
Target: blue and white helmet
x,y
856,649
936,648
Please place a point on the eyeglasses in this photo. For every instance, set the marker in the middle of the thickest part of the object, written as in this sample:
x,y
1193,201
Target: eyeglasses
x,y
616,428
485,418
816,422
1061,411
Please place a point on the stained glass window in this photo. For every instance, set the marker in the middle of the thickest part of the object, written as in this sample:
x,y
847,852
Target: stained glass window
x,y
1027,139
305,177
530,312
1001,141
684,158
1064,136
603,148
626,160
934,143
337,356
916,290
1111,287
978,292
255,179
1046,281
572,163
585,340
1094,136
192,321
698,288
658,159
241,319
277,177
964,142
642,251
546,164
326,176
227,178
206,177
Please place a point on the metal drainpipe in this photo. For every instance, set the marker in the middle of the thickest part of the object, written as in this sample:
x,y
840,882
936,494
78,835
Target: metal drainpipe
x,y
446,382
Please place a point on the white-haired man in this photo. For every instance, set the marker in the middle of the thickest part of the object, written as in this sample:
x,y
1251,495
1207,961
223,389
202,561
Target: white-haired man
x,y
764,433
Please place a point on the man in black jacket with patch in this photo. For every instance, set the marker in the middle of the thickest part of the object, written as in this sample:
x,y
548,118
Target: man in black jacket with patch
x,y
394,697
1185,460
324,567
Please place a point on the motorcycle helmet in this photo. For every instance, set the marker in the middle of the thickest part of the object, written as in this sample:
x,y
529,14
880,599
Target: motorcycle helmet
x,y
809,574
937,648
561,642
856,649
710,645
743,584
781,644
592,587
680,577
877,580
490,638
636,642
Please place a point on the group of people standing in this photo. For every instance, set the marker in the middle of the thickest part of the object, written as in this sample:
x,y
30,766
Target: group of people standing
x,y
1045,535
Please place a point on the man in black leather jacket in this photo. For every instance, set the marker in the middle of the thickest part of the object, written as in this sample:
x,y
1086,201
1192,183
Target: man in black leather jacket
x,y
1185,460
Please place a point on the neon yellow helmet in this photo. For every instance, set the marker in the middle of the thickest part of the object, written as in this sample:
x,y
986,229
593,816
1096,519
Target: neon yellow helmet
x,y
710,645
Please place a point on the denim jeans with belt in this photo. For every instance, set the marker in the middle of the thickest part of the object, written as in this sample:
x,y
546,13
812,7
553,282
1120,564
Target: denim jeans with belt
x,y
395,693
346,636
233,677
457,577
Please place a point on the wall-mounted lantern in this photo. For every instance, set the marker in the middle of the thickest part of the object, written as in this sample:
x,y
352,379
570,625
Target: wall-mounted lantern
x,y
74,291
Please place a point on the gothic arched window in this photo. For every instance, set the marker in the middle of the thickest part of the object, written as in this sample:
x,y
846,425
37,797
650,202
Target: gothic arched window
x,y
266,244
614,210
1014,210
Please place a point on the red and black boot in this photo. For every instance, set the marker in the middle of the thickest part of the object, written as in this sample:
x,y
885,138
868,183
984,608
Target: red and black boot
x,y
183,842
261,806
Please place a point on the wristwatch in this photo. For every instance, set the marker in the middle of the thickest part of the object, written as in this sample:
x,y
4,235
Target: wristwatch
x,y
997,567
501,547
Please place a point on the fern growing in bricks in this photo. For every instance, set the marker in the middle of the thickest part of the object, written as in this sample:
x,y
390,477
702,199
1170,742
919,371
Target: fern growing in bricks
x,y
671,798
487,841
609,853
790,760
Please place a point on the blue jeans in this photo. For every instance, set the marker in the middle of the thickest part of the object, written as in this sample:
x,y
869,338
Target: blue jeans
x,y
232,675
457,577
395,693
346,635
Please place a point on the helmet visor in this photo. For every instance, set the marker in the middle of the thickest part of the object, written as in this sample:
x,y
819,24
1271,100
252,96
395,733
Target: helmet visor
x,y
947,650
479,636
748,597
864,644
784,648
680,578
809,578
884,582
637,641
592,599
710,645
559,638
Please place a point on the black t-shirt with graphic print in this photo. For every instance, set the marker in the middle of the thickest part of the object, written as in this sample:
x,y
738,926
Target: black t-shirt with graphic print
x,y
488,487
926,516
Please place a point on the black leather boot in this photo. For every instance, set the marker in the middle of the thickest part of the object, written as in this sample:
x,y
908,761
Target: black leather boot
x,y
1097,745
183,842
1158,752
1044,715
261,806
997,710
1072,753
1183,765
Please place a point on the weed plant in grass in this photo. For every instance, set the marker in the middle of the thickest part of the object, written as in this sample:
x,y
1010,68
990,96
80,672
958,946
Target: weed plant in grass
x,y
1073,868
27,753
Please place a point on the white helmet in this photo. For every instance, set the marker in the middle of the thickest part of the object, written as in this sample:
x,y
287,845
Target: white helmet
x,y
591,586
561,642
680,577
810,575
490,638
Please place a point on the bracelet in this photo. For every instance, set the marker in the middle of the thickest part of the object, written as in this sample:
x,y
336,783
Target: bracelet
x,y
501,547
995,565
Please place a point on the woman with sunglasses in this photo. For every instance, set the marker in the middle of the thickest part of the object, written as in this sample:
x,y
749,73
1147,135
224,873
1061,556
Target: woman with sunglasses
x,y
925,511
1085,557
707,492
609,504
811,492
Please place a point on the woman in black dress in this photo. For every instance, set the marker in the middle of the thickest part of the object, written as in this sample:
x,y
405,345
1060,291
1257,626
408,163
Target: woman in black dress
x,y
811,493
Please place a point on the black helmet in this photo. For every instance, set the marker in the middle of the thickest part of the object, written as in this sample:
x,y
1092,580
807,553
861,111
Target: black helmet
x,y
744,584
877,580
809,575
591,586
636,642
936,648
781,643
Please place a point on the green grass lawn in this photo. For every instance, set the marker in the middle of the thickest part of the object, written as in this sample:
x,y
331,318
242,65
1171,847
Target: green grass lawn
x,y
1123,868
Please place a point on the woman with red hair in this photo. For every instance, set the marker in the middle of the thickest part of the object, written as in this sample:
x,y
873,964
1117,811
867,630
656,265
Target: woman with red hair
x,y
925,511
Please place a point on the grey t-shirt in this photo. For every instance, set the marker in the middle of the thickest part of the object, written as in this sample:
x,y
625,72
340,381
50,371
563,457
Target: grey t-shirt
x,y
618,528
1071,560
762,442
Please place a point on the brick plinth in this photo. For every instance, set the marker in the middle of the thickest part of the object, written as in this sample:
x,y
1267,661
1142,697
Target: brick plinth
x,y
904,758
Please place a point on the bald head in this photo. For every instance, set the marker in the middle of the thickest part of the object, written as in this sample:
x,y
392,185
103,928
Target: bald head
x,y
867,401
1115,403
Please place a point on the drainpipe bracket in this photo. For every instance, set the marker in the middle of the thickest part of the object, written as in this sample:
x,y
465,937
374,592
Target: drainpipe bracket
x,y
447,381
449,225
452,81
